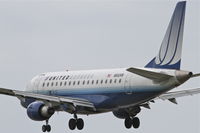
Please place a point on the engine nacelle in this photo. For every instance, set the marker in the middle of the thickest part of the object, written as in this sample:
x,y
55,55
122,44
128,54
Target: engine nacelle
x,y
126,112
122,114
38,111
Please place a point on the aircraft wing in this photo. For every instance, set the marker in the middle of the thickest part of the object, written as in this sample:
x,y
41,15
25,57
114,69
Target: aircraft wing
x,y
176,94
52,100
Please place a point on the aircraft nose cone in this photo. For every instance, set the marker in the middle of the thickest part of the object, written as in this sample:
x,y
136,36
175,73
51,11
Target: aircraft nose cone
x,y
183,76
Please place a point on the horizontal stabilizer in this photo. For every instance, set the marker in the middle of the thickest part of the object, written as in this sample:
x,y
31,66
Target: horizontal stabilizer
x,y
176,94
150,74
195,75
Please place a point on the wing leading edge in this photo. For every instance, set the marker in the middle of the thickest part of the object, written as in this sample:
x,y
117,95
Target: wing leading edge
x,y
52,100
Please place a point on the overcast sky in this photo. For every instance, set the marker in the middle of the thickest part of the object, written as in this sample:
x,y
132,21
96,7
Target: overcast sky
x,y
47,35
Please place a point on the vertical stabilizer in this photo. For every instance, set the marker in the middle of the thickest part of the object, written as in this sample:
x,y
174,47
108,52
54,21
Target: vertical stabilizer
x,y
169,56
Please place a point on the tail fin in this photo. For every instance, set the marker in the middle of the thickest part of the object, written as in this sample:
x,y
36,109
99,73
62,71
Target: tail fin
x,y
169,56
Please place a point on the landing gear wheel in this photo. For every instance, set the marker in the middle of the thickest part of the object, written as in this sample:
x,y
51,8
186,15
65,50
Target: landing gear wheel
x,y
80,124
72,124
136,122
44,128
128,123
48,128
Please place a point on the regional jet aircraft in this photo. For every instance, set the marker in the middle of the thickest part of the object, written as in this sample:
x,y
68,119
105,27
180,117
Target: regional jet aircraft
x,y
122,91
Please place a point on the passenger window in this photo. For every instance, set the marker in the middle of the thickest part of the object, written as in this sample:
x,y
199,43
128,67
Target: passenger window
x,y
83,82
88,82
92,81
110,81
47,84
81,76
85,76
63,78
60,83
69,83
115,81
97,82
120,80
101,81
52,84
65,83
78,82
56,83
60,77
66,77
74,82
43,84
106,81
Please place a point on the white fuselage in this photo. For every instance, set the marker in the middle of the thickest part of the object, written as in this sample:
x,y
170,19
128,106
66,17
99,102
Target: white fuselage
x,y
107,89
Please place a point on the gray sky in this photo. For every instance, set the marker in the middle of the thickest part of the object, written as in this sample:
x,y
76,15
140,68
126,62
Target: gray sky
x,y
47,35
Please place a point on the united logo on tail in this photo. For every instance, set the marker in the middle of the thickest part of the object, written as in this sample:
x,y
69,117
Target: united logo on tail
x,y
169,56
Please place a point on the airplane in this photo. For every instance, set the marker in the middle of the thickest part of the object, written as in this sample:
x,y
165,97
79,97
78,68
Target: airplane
x,y
122,91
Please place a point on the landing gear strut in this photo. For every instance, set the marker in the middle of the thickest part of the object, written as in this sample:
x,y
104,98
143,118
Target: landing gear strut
x,y
135,122
76,123
47,127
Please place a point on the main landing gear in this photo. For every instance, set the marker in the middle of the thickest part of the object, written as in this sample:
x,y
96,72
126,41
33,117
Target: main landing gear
x,y
47,127
73,124
76,123
129,122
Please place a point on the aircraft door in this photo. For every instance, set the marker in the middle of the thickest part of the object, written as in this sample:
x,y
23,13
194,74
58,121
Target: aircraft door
x,y
127,84
37,83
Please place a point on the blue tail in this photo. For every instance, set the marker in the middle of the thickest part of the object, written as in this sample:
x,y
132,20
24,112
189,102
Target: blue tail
x,y
169,56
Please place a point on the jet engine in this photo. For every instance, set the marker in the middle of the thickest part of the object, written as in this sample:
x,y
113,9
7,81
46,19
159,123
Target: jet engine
x,y
126,112
38,111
